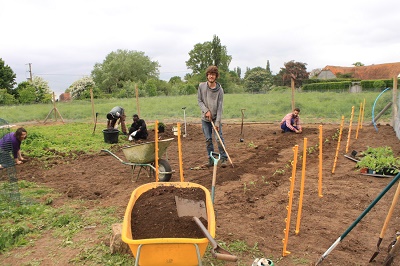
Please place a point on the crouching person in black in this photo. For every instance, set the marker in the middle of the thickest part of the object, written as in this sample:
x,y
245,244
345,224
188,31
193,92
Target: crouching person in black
x,y
138,129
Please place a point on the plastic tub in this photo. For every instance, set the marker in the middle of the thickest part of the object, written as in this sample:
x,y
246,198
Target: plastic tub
x,y
111,135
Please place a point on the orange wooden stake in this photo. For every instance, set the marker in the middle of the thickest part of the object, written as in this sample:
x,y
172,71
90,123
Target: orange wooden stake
x,y
289,207
303,178
338,145
180,152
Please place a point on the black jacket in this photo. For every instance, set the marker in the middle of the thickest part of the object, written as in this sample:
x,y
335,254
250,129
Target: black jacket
x,y
140,124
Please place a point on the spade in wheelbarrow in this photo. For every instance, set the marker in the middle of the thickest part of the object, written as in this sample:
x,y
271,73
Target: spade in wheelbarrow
x,y
197,210
178,250
143,156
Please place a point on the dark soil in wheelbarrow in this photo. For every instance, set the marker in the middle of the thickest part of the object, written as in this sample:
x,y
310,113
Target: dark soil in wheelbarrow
x,y
251,198
159,204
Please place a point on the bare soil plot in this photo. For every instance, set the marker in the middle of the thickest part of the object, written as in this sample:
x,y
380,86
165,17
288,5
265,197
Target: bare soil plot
x,y
251,197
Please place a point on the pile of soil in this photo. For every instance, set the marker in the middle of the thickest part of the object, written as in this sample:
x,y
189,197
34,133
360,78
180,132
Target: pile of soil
x,y
155,215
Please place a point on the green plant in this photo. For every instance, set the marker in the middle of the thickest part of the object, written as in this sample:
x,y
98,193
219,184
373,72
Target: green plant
x,y
252,145
244,187
379,159
378,152
264,179
279,171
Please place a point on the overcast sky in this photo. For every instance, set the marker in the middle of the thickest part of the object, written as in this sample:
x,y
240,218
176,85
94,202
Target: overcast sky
x,y
64,39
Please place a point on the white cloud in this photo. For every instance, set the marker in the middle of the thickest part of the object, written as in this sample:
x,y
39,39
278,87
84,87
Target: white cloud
x,y
64,39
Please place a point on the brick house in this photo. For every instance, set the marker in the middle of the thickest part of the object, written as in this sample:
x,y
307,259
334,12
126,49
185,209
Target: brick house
x,y
65,97
372,72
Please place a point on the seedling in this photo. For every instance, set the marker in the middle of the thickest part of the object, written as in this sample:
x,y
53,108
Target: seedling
x,y
279,171
252,145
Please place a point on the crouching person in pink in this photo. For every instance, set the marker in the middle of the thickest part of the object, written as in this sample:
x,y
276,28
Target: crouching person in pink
x,y
291,122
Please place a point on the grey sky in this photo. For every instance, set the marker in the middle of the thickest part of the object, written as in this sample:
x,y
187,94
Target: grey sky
x,y
64,39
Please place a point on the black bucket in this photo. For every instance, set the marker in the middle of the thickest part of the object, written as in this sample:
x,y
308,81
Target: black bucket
x,y
111,135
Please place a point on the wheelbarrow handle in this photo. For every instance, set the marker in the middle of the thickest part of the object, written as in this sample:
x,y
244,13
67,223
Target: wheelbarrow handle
x,y
115,156
215,247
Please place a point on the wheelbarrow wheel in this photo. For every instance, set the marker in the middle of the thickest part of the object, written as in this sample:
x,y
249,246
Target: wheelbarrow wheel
x,y
163,166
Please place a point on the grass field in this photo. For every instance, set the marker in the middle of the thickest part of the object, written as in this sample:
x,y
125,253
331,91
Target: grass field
x,y
315,107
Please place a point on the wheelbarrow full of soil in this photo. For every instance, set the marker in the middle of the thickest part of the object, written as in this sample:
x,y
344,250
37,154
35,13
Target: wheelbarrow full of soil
x,y
143,155
157,234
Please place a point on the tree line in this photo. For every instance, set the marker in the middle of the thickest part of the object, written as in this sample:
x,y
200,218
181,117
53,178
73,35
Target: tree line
x,y
124,71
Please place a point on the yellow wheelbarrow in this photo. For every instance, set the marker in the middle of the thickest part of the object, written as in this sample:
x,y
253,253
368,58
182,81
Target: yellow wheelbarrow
x,y
143,155
172,251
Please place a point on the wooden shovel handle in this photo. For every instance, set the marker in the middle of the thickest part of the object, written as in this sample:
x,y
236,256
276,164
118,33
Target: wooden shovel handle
x,y
222,144
389,215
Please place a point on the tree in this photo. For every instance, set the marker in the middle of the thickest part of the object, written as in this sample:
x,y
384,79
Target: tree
x,y
25,92
151,87
238,71
296,70
164,87
187,89
175,80
268,68
200,58
80,89
122,66
7,77
206,54
6,98
358,64
257,80
216,50
42,90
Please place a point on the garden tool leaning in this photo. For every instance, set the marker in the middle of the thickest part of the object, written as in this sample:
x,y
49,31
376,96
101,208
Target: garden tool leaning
x,y
241,127
389,215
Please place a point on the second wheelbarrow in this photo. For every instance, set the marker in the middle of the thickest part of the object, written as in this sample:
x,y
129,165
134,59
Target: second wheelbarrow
x,y
143,156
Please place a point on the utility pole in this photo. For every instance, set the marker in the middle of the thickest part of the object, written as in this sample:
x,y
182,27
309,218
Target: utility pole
x,y
30,72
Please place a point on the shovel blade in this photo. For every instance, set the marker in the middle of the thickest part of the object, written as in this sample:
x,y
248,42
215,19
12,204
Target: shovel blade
x,y
377,249
187,207
374,256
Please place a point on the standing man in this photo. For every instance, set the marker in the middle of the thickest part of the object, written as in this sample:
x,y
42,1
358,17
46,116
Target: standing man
x,y
138,129
210,97
116,113
291,122
11,142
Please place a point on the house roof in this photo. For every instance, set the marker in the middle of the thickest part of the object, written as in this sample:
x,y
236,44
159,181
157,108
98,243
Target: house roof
x,y
379,71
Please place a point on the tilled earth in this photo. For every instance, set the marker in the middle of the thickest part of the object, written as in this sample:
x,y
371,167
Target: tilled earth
x,y
251,195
